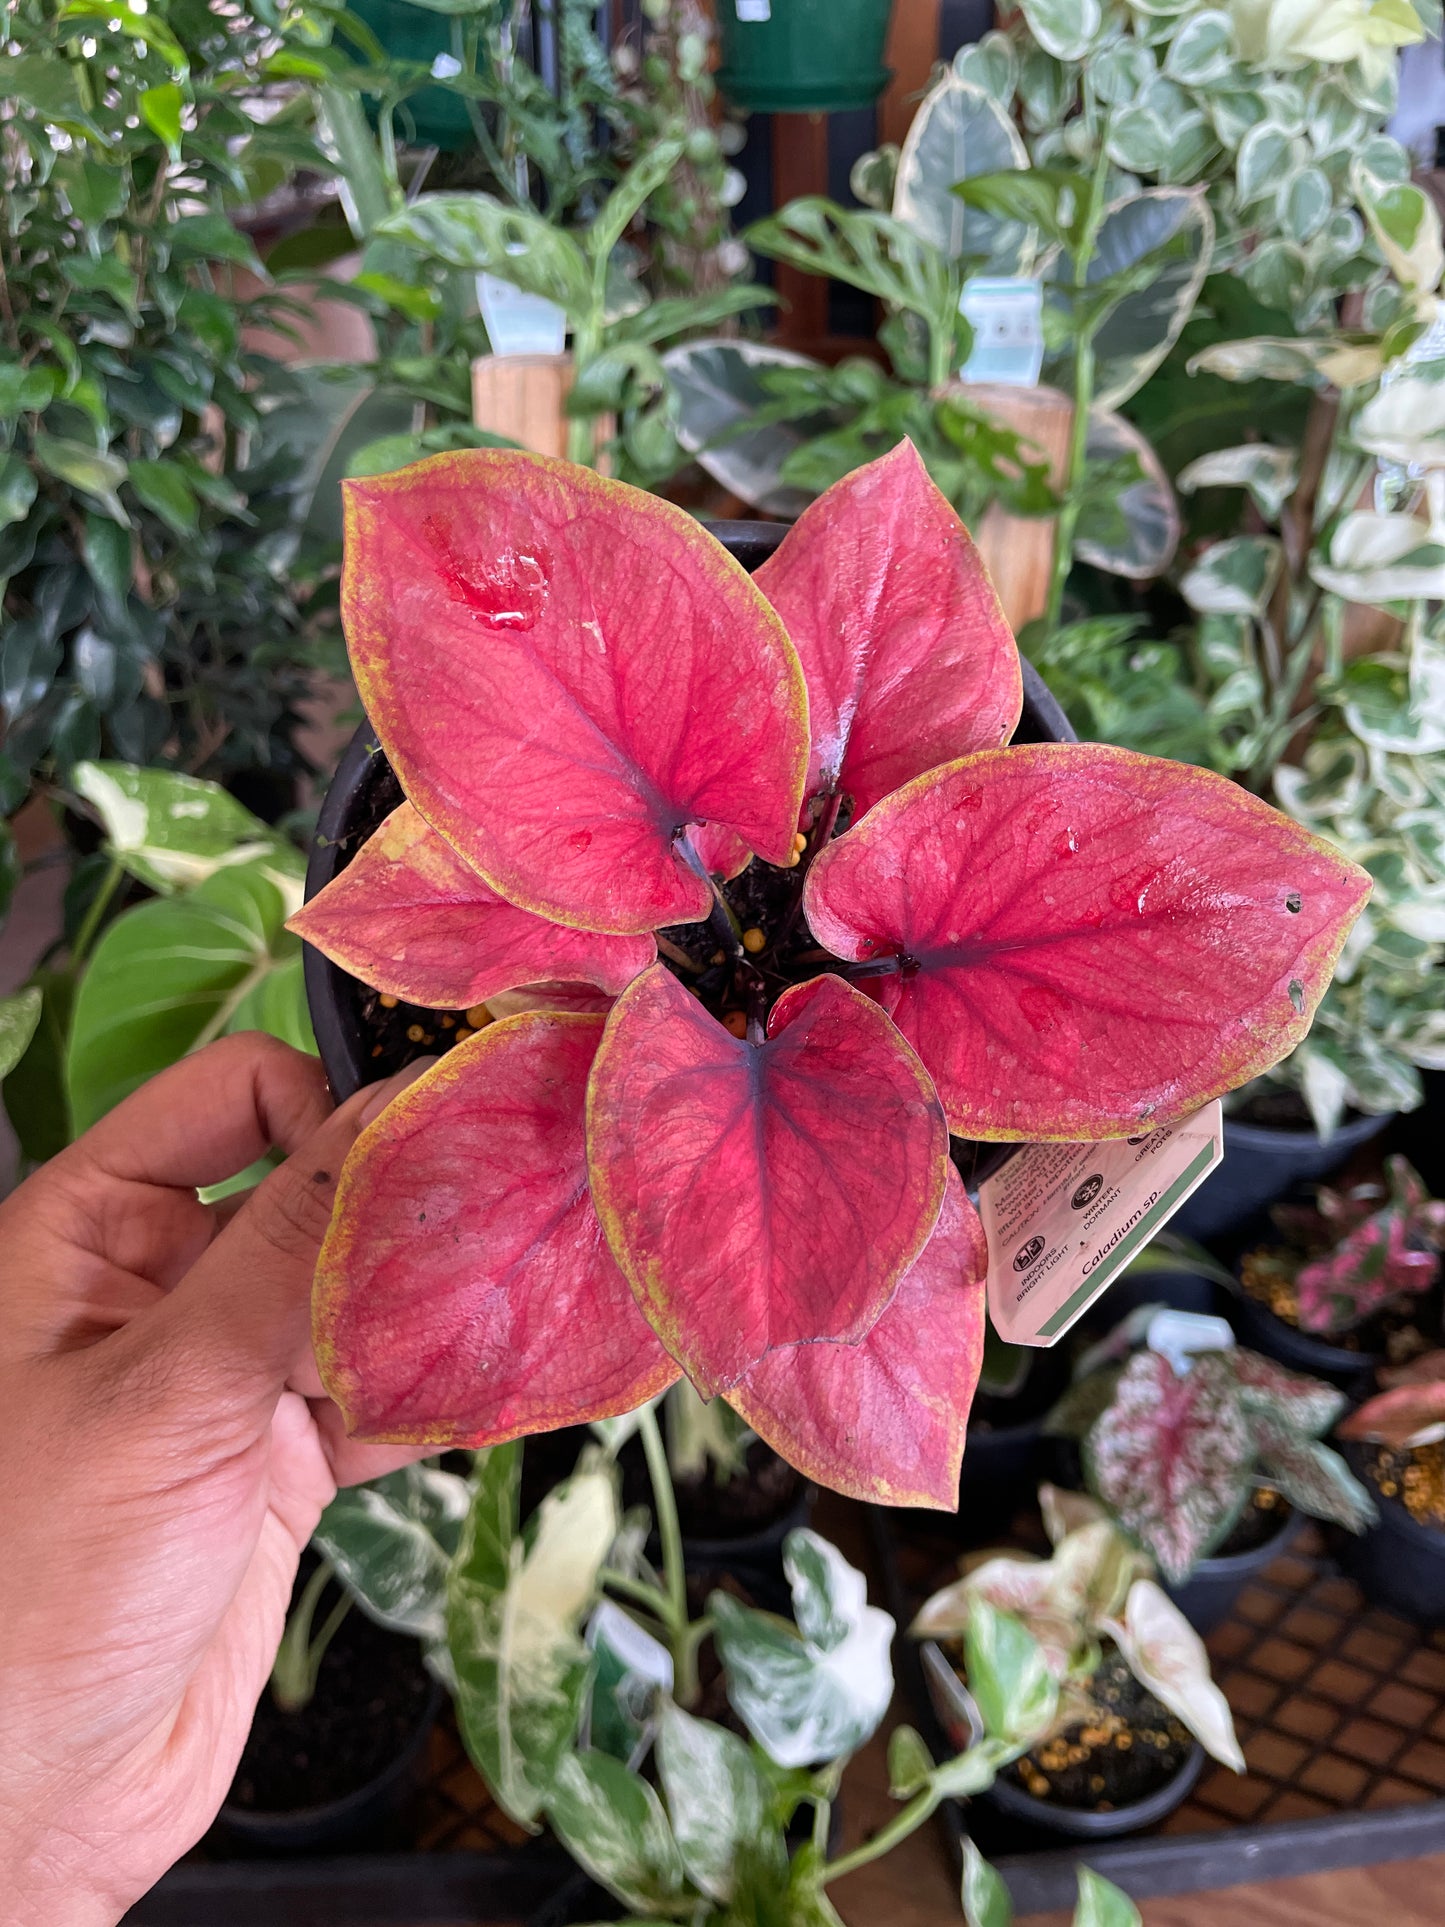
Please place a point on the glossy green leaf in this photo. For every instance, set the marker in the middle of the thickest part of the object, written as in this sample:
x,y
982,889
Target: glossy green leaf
x,y
18,489
36,1100
211,237
392,1543
1102,1904
613,1824
85,468
19,1021
986,1901
167,977
161,111
478,232
1008,1674
719,1801
173,831
163,488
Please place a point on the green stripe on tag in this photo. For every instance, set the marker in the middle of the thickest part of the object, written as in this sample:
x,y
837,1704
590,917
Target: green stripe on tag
x,y
1127,1247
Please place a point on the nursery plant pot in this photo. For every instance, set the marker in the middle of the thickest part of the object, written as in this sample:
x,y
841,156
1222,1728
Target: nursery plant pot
x,y
375,1705
802,56
1258,1328
1207,1597
1398,1563
364,790
1260,1163
950,1703
418,34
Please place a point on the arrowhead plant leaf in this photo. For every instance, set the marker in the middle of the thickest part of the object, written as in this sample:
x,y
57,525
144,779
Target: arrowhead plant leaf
x,y
734,1179
1086,940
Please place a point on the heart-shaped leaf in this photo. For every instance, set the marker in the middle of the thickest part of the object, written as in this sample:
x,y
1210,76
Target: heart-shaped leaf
x,y
465,1294
760,1194
409,917
1171,1457
718,1800
819,1692
908,659
1090,941
884,1420
566,673
393,1542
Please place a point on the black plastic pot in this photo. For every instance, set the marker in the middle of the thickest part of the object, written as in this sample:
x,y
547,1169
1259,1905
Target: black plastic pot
x,y
1260,1163
337,1823
762,1550
1397,1563
334,995
1080,1823
1257,1327
1001,1471
1207,1597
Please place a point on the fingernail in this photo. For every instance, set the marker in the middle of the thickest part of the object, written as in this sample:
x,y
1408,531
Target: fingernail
x,y
391,1087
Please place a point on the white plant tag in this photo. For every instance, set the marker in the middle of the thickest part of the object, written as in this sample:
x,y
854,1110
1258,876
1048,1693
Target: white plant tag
x,y
1006,313
752,12
1063,1220
519,323
1179,1335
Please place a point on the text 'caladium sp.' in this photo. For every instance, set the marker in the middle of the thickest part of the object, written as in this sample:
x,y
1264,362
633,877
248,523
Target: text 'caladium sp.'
x,y
776,909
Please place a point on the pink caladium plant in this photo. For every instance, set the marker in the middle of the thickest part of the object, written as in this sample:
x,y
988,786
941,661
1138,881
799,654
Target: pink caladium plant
x,y
1381,1257
798,914
1409,1409
1175,1456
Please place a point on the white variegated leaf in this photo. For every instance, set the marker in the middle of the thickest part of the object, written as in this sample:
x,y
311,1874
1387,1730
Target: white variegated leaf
x,y
816,1691
1164,1653
171,832
718,1801
1236,577
1383,558
610,1820
1405,422
718,387
959,130
1067,29
392,1543
1270,474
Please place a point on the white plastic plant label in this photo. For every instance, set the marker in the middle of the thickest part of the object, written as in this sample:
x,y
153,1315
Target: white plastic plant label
x,y
1006,313
1180,1336
754,12
1063,1220
519,323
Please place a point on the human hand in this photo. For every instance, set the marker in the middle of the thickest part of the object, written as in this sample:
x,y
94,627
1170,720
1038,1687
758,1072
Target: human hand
x,y
166,1453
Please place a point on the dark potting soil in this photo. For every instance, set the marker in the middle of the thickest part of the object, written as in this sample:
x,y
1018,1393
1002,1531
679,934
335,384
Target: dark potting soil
x,y
1265,1516
733,1508
370,1694
1415,1477
1127,1748
1277,1111
1398,1331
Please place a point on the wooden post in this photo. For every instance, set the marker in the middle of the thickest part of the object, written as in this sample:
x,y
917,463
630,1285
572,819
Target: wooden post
x,y
1018,550
800,166
522,397
911,50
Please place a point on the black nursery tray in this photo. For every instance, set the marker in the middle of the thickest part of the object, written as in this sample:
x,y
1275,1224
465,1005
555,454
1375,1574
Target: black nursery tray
x,y
1339,1707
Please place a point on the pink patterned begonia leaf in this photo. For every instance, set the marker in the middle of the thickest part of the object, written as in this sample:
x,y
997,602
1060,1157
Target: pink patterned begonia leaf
x,y
566,673
465,1294
409,917
1092,942
761,1194
908,657
884,1420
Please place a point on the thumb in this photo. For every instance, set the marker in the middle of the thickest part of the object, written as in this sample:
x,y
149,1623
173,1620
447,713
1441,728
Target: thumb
x,y
222,1345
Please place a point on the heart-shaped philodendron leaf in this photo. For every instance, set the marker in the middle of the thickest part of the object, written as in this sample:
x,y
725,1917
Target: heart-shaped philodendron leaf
x,y
907,654
884,1420
465,1294
760,1194
1172,1457
1089,942
565,674
410,917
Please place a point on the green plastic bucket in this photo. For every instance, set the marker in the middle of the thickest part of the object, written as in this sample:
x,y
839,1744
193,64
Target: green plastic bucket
x,y
802,56
414,33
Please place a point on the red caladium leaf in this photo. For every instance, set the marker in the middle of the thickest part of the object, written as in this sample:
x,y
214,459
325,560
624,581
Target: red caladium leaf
x,y
565,673
908,657
1172,1457
1412,1412
884,1419
465,1293
1393,1254
409,917
584,998
761,1194
1089,941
